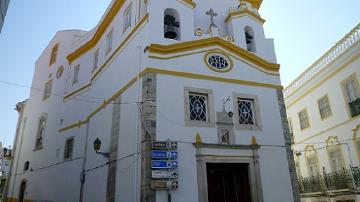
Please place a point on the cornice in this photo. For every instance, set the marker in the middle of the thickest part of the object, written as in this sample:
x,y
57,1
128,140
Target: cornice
x,y
99,32
241,13
214,41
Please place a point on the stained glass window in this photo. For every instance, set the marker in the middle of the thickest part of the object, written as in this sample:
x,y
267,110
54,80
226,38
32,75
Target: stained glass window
x,y
198,107
246,111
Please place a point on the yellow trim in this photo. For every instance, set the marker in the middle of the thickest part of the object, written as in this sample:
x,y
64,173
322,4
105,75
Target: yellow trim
x,y
189,3
215,49
171,73
255,3
206,61
214,41
54,53
320,82
104,65
242,13
99,32
327,130
122,44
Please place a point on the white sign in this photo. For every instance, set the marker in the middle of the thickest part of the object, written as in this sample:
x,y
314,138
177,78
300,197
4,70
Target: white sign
x,y
159,174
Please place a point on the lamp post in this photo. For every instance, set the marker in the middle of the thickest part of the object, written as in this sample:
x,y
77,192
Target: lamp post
x,y
97,146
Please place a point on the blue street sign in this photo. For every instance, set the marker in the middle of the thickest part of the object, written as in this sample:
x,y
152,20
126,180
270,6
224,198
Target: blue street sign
x,y
161,154
164,164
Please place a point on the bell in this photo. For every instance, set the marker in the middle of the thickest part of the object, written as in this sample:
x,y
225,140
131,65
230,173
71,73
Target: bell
x,y
170,32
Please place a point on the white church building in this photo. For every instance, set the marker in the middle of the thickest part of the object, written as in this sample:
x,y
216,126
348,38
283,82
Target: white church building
x,y
323,107
176,100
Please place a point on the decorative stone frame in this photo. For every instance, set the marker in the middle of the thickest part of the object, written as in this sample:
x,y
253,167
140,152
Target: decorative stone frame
x,y
308,119
252,160
356,139
210,122
354,77
310,152
257,126
330,108
332,143
231,134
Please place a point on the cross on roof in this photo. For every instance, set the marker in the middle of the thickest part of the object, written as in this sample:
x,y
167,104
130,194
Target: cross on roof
x,y
212,14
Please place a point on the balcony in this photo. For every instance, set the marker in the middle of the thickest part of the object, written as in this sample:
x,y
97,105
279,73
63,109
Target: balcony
x,y
344,180
354,107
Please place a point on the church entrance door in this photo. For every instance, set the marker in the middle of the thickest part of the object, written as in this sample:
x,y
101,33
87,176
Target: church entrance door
x,y
228,182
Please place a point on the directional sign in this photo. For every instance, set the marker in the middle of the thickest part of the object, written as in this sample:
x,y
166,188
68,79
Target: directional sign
x,y
161,154
164,164
159,174
164,145
163,184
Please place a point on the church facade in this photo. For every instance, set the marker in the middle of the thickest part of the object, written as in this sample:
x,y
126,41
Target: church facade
x,y
323,106
175,100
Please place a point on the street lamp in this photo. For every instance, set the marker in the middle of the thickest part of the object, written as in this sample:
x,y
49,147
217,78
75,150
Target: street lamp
x,y
97,146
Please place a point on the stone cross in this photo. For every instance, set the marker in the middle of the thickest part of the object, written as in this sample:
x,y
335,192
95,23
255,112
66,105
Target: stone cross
x,y
212,14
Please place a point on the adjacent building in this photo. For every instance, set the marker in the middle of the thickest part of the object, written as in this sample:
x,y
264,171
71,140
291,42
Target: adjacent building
x,y
199,76
4,4
323,107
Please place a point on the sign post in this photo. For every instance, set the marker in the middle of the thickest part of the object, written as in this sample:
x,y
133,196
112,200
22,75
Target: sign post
x,y
164,165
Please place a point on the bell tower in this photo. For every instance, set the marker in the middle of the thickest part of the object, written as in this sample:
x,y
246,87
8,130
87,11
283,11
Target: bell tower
x,y
246,26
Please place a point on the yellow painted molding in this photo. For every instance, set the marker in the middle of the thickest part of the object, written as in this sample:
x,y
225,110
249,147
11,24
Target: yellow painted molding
x,y
242,13
140,24
255,3
214,41
99,32
170,73
189,3
352,59
67,96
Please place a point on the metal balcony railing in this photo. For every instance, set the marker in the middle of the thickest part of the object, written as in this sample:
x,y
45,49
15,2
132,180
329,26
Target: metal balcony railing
x,y
355,107
339,180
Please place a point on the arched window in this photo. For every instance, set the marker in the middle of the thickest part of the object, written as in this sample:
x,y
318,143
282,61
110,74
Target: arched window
x,y
54,53
22,191
26,165
171,24
41,132
250,39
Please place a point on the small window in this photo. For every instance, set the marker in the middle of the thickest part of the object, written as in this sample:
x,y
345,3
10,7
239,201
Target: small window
x,y
76,74
47,90
225,136
127,18
291,129
41,132
324,107
246,111
198,107
96,59
351,91
26,165
109,38
304,119
171,24
69,147
250,39
54,53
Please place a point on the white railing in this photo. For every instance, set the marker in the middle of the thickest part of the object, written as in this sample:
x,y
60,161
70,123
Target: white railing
x,y
338,49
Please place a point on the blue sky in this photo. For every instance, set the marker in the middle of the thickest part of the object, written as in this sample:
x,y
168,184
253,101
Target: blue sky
x,y
303,30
